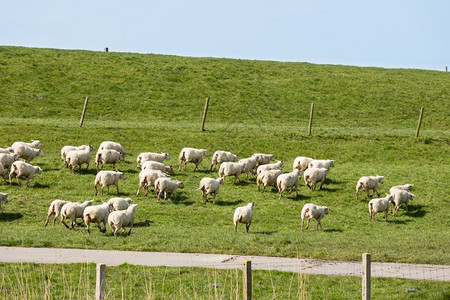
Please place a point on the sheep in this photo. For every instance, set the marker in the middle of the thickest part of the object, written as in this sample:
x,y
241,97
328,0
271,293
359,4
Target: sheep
x,y
267,177
3,198
147,178
27,153
7,150
123,218
98,214
263,159
249,165
316,163
112,145
314,175
401,196
367,183
191,155
7,159
406,187
287,180
2,172
380,205
313,211
146,156
231,168
76,158
72,211
120,203
20,168
266,167
220,157
107,178
55,208
154,165
33,144
301,163
244,215
108,156
167,185
67,149
210,186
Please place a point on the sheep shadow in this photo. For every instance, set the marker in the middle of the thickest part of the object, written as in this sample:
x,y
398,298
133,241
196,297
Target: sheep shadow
x,y
294,197
396,221
227,203
416,211
264,232
145,223
10,216
41,186
333,230
324,188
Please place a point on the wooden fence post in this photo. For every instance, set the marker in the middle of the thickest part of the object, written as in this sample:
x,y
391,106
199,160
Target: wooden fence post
x,y
420,121
247,277
106,49
100,282
366,276
310,118
84,111
205,111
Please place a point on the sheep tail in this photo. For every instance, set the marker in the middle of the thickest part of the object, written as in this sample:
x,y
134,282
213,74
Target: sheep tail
x,y
181,157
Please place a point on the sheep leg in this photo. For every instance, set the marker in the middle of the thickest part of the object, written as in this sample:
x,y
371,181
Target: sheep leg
x,y
139,191
87,166
28,181
196,166
307,223
129,232
247,226
185,163
114,166
117,189
321,184
159,195
319,224
386,214
406,207
18,181
62,221
95,186
165,195
179,166
301,226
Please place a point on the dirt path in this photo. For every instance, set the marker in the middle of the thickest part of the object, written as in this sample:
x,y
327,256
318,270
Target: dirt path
x,y
219,261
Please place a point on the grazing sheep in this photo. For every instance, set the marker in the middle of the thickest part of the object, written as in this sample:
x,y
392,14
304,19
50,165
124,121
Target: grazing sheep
x,y
301,163
317,163
380,205
210,186
3,198
123,218
276,166
313,211
231,168
55,208
220,157
108,156
263,159
7,159
2,172
20,168
107,178
191,155
154,165
72,211
288,180
167,185
146,156
147,178
27,153
7,150
249,165
267,177
120,203
33,144
314,175
244,215
113,145
98,214
406,187
367,183
67,149
400,197
76,158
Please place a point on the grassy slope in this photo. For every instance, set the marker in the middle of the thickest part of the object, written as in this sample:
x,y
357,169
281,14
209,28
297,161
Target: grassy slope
x,y
365,119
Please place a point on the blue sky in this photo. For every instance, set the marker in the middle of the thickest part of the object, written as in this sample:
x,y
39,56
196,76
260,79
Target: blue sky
x,y
382,33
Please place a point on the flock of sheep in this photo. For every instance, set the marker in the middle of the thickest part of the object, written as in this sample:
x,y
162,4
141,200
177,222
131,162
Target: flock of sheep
x,y
118,213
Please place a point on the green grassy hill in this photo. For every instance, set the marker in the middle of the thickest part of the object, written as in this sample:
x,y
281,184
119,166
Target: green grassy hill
x,y
365,119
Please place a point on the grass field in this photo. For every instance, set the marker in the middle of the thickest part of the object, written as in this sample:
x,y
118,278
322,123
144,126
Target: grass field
x,y
365,119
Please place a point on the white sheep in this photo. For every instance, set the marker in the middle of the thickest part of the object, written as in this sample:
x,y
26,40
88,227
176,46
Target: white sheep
x,y
33,144
120,203
191,155
67,149
312,176
231,169
263,159
2,172
267,177
167,185
154,165
147,178
76,158
27,153
107,178
318,163
108,156
4,199
220,157
313,211
146,156
288,180
367,183
380,205
266,167
112,145
210,186
244,215
20,168
7,159
123,218
55,208
98,214
250,165
400,197
301,162
72,211
406,187
7,150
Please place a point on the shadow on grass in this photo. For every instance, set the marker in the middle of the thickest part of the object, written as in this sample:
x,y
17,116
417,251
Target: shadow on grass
x,y
145,223
228,203
264,232
41,186
294,197
416,211
10,216
333,230
397,221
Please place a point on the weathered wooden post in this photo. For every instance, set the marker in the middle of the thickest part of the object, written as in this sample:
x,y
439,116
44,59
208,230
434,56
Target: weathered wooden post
x,y
84,111
420,122
205,111
446,69
247,277
310,118
106,49
366,276
100,282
